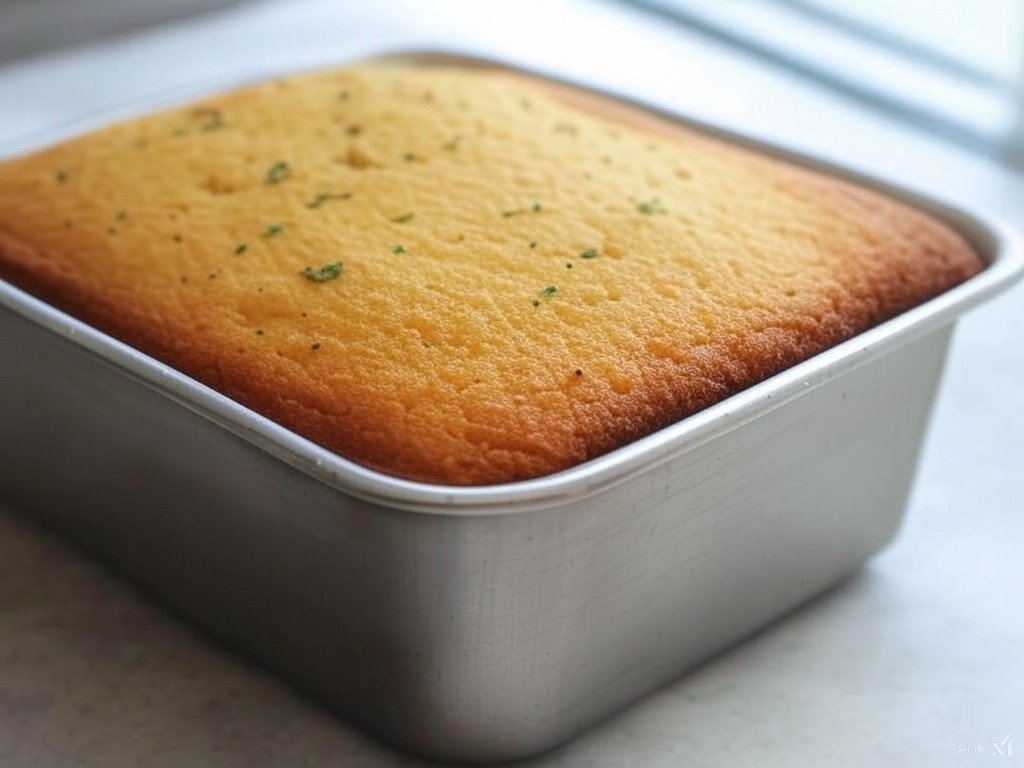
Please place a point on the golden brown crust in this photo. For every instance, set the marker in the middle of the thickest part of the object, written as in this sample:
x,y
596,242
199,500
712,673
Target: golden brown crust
x,y
566,283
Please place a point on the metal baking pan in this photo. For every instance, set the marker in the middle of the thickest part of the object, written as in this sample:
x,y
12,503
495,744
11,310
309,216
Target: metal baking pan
x,y
483,623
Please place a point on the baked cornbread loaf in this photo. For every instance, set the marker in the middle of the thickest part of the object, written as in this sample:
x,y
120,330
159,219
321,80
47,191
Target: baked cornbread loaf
x,y
458,275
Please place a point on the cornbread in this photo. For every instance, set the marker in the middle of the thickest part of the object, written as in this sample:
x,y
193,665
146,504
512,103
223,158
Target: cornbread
x,y
458,275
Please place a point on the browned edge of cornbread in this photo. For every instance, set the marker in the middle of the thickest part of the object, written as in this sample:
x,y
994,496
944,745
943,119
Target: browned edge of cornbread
x,y
597,409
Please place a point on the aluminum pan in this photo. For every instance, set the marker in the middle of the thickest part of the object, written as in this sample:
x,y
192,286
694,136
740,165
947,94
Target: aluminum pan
x,y
999,245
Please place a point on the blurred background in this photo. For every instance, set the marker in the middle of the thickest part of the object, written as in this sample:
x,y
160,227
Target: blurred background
x,y
918,656
953,67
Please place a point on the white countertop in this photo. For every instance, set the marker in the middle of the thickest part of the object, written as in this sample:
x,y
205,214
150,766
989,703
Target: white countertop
x,y
922,650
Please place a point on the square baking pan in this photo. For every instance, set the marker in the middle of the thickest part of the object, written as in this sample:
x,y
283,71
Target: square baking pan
x,y
480,623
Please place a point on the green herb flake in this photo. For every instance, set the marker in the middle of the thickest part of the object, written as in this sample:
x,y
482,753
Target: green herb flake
x,y
651,207
278,172
550,290
404,218
353,130
536,303
398,248
590,253
568,265
273,229
241,248
534,206
533,244
324,273
212,119
322,197
409,157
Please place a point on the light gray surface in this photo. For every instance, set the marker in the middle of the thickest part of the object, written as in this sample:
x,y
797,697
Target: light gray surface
x,y
922,651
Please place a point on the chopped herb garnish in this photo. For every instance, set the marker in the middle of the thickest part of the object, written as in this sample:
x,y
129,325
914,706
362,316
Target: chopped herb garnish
x,y
212,118
652,206
324,273
61,176
398,248
273,229
536,303
534,206
315,345
568,265
453,144
550,290
409,157
533,244
241,248
353,130
590,253
278,172
322,197
404,218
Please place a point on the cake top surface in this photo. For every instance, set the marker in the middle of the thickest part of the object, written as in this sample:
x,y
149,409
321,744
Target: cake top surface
x,y
456,275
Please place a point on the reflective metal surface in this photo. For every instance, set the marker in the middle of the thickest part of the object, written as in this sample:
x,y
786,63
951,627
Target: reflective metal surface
x,y
476,623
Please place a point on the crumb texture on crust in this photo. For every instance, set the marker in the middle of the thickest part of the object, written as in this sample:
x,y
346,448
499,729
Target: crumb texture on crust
x,y
453,275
